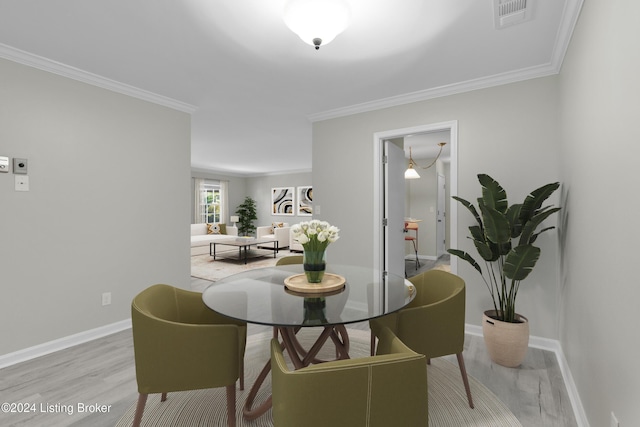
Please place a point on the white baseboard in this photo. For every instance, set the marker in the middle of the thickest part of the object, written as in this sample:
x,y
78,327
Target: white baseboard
x,y
555,347
62,343
411,257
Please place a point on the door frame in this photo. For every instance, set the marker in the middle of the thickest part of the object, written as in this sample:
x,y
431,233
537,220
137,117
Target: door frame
x,y
379,188
441,215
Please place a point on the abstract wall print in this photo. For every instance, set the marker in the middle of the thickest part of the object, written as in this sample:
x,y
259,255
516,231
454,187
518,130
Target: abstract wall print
x,y
305,200
282,202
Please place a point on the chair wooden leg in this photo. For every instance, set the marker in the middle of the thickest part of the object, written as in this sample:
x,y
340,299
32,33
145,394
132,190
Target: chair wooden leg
x,y
465,379
242,374
231,405
164,397
142,401
373,343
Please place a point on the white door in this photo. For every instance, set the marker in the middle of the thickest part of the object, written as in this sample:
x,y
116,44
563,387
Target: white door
x,y
441,217
394,196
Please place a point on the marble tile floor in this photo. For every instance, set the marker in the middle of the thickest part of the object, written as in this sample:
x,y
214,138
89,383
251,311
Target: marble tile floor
x,y
102,371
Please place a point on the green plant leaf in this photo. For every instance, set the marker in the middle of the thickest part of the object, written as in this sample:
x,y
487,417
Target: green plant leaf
x,y
534,200
471,208
530,226
486,251
465,256
496,225
513,215
535,235
520,261
476,232
493,194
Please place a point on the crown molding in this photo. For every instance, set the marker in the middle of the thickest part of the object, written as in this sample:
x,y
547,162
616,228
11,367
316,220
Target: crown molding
x,y
438,92
277,173
45,64
567,25
196,170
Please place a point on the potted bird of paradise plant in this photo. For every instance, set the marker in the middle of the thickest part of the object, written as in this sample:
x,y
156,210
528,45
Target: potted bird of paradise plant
x,y
504,237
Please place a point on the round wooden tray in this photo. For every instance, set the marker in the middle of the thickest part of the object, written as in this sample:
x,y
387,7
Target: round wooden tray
x,y
330,283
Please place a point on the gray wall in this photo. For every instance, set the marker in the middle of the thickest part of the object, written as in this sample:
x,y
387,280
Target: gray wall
x,y
599,286
510,132
259,188
108,209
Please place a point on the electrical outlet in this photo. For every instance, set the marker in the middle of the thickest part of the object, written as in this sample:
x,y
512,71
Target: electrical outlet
x,y
22,182
106,298
614,421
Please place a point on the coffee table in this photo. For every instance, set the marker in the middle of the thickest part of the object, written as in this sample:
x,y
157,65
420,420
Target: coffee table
x,y
244,245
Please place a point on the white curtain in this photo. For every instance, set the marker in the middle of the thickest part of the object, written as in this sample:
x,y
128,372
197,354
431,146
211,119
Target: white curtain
x,y
197,213
224,201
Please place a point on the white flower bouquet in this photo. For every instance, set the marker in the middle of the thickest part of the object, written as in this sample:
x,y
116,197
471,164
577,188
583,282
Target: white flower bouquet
x,y
315,235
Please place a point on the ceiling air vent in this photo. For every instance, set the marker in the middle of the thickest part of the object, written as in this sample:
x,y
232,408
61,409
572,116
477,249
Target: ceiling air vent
x,y
511,12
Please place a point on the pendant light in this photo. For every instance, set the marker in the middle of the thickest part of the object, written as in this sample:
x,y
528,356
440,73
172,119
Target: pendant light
x,y
316,22
411,173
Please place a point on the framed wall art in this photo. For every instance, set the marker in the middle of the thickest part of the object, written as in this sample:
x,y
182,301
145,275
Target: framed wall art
x,y
305,200
282,201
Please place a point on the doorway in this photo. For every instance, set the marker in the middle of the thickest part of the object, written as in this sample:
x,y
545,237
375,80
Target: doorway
x,y
386,235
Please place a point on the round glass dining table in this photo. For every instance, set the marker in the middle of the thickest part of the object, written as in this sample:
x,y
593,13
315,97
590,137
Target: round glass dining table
x,y
260,296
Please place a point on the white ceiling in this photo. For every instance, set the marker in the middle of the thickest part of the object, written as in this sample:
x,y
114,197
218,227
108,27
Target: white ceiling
x,y
255,87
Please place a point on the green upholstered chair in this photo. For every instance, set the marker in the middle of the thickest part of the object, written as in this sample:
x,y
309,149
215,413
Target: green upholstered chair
x,y
288,260
180,344
433,323
389,389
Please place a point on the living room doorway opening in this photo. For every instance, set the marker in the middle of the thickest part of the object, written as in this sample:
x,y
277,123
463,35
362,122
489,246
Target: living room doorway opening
x,y
392,196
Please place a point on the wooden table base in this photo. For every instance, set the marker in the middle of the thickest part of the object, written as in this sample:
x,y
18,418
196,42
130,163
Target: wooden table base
x,y
299,357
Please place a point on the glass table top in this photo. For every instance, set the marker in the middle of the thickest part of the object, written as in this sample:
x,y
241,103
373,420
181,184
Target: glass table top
x,y
259,296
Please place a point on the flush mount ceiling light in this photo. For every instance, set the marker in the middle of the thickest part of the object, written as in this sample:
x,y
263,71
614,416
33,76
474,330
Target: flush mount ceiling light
x,y
411,173
316,22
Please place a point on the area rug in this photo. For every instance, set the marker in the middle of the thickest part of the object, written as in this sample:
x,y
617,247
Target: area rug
x,y
448,404
204,267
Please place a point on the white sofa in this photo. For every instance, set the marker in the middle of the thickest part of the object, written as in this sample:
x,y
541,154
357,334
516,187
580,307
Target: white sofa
x,y
200,238
281,234
294,246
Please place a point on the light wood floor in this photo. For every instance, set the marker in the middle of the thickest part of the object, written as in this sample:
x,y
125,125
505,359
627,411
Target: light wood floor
x,y
102,372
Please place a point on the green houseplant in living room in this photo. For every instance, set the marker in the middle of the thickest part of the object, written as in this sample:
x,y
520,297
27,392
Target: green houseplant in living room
x,y
247,213
504,238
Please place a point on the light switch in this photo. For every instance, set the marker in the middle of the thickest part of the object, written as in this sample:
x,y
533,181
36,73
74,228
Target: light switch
x,y
4,164
22,183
